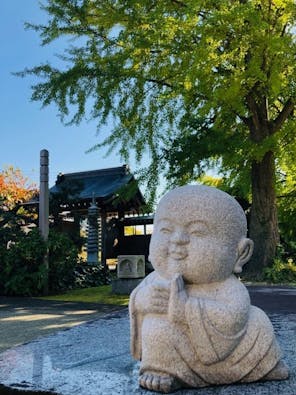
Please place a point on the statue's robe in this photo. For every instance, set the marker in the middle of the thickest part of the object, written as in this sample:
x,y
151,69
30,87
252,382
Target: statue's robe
x,y
222,340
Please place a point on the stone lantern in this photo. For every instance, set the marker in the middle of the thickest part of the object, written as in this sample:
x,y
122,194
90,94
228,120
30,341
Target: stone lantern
x,y
92,234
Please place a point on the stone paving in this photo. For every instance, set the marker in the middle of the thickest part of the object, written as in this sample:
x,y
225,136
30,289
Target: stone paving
x,y
94,359
25,319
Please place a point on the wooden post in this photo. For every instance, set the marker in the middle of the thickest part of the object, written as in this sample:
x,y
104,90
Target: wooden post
x,y
44,207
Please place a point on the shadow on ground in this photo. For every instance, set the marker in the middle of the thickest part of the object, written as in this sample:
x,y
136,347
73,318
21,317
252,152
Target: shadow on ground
x,y
25,319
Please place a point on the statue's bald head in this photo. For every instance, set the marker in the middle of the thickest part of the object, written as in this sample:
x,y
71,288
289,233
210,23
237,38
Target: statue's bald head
x,y
200,232
215,207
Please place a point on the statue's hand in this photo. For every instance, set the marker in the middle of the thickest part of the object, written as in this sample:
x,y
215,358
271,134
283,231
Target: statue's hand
x,y
153,298
178,298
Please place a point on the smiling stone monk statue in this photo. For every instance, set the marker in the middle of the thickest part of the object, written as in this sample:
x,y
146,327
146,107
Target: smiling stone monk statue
x,y
192,324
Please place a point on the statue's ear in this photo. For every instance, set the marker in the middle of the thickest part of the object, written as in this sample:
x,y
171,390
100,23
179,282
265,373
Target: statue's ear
x,y
244,253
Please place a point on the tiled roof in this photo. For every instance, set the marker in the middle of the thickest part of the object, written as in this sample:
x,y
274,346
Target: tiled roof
x,y
101,184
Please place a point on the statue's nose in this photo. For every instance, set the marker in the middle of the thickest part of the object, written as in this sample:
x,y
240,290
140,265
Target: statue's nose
x,y
180,237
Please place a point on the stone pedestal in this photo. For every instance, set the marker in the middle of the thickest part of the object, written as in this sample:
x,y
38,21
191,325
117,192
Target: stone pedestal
x,y
124,286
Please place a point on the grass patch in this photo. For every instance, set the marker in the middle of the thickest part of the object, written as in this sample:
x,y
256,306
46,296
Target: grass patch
x,y
100,294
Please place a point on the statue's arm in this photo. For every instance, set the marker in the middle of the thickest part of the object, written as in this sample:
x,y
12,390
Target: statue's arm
x,y
136,317
135,330
149,297
216,327
227,311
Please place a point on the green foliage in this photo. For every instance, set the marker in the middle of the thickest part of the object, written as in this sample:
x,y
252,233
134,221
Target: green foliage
x,y
62,259
188,82
21,254
90,276
193,84
22,271
286,192
281,272
22,249
283,269
240,191
66,271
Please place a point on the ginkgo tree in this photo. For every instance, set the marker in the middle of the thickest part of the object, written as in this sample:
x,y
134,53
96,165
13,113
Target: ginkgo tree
x,y
193,83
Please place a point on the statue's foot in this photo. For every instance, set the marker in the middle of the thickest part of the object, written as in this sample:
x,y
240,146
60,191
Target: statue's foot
x,y
161,383
279,372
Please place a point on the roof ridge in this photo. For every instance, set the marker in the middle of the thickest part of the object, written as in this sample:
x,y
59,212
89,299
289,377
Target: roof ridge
x,y
119,169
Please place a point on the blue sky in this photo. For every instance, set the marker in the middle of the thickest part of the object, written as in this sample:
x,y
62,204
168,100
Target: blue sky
x,y
25,128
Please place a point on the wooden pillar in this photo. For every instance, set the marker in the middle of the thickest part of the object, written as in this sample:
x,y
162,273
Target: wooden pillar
x,y
44,207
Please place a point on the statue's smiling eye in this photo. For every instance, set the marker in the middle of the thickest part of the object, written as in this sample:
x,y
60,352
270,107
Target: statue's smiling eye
x,y
165,230
197,232
165,226
198,229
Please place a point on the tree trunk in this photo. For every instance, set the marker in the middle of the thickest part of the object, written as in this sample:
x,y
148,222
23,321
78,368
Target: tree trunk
x,y
263,218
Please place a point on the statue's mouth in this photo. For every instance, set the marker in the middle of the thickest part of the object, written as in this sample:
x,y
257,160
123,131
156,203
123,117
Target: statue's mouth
x,y
178,255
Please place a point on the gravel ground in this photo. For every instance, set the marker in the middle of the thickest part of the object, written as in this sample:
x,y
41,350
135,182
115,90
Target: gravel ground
x,y
93,358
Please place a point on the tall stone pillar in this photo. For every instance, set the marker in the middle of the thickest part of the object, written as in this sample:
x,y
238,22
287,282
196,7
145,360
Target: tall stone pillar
x,y
44,206
92,234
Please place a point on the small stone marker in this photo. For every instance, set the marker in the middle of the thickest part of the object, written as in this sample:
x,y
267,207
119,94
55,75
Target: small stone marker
x,y
131,266
192,324
130,272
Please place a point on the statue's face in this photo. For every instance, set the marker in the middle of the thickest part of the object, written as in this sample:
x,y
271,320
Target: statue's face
x,y
188,239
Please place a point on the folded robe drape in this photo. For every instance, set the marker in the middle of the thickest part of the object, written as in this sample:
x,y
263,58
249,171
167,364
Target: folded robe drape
x,y
196,351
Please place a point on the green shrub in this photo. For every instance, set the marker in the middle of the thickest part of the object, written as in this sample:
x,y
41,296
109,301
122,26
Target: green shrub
x,y
63,258
22,271
66,270
281,272
86,276
22,268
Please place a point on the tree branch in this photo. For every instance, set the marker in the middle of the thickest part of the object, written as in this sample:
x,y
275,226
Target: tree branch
x,y
288,195
283,115
159,82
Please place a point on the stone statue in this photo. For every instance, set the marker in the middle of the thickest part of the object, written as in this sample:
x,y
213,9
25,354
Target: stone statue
x,y
192,324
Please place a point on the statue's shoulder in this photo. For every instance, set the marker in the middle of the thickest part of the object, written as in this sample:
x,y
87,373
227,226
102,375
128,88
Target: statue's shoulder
x,y
149,279
233,282
235,290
